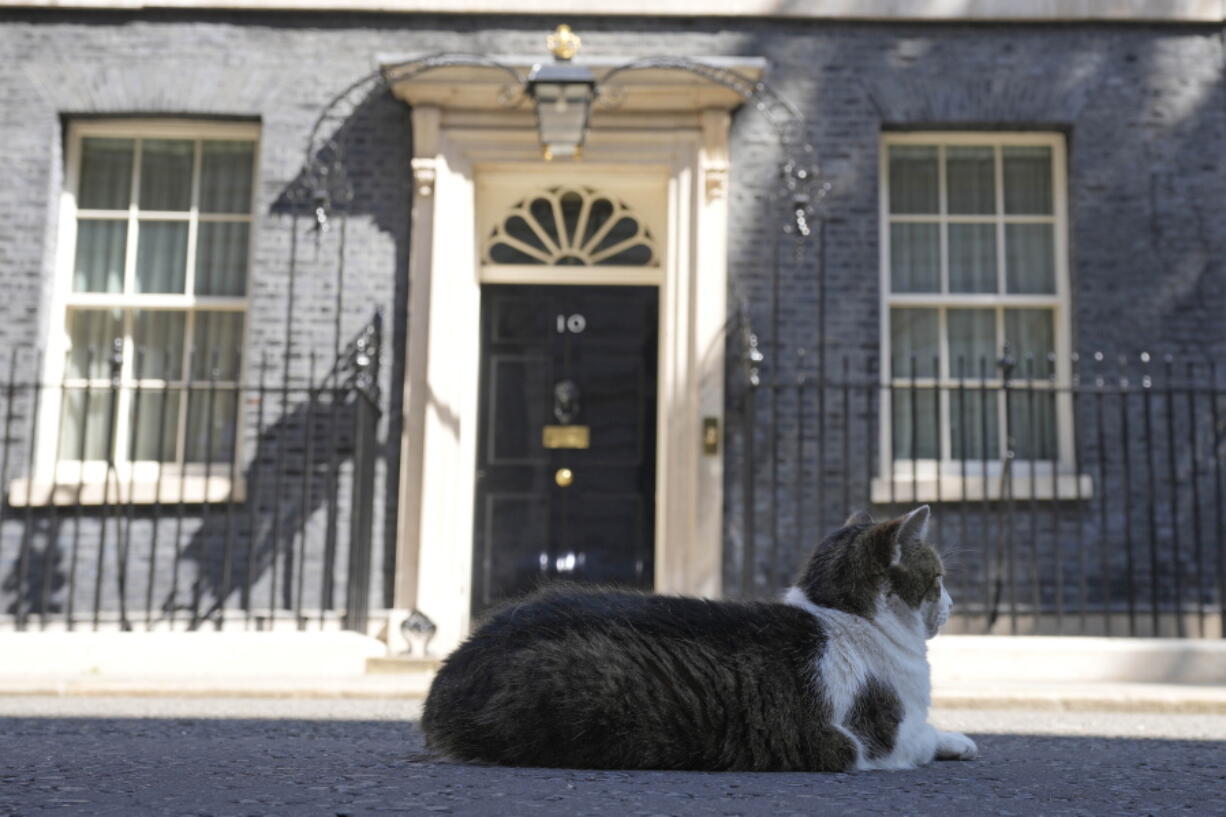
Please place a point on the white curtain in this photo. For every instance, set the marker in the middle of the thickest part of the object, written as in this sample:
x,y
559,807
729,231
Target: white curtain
x,y
915,257
158,338
226,169
913,342
1032,424
84,438
211,421
974,425
166,174
1027,172
221,258
972,341
916,431
106,174
972,258
1029,333
161,256
913,179
91,333
1030,259
98,266
153,410
215,345
971,176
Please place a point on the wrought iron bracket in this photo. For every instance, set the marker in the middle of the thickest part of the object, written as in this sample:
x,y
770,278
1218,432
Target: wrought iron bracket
x,y
326,185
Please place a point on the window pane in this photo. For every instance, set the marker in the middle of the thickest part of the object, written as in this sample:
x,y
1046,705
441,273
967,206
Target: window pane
x,y
161,256
1031,339
916,433
970,174
915,258
225,177
913,179
83,424
913,334
153,410
1032,424
158,338
91,338
166,174
215,345
1027,172
106,174
99,262
1030,266
972,258
221,258
210,424
972,341
974,422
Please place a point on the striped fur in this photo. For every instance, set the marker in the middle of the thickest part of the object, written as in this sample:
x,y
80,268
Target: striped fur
x,y
834,678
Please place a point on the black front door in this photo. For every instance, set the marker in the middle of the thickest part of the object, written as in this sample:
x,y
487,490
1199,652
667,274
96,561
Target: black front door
x,y
567,439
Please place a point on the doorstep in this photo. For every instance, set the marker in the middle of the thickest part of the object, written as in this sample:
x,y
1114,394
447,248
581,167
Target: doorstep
x,y
402,665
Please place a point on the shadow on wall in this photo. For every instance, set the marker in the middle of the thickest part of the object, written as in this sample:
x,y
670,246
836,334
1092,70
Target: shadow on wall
x,y
284,548
300,470
63,561
358,176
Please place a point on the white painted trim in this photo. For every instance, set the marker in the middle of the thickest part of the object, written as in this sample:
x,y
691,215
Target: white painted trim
x,y
927,486
47,470
92,489
426,120
441,402
449,361
604,276
1166,11
900,483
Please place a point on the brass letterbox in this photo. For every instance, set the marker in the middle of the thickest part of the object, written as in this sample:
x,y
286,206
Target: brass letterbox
x,y
566,436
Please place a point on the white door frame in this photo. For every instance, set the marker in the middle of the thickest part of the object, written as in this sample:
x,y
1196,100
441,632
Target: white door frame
x,y
455,152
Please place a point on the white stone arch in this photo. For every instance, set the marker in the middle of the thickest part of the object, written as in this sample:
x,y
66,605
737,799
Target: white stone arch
x,y
663,153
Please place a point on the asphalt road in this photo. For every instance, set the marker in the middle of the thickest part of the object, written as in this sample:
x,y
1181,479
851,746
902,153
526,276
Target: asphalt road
x,y
297,758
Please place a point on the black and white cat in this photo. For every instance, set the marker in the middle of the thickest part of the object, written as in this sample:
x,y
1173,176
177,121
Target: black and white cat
x,y
834,678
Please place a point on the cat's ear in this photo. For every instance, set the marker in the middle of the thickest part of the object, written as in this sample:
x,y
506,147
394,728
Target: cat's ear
x,y
912,528
860,517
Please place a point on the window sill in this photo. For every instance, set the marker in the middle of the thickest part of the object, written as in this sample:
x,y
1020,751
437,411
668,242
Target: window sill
x,y
171,489
977,488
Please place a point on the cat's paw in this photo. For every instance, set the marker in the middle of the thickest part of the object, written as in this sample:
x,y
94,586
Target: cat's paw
x,y
955,746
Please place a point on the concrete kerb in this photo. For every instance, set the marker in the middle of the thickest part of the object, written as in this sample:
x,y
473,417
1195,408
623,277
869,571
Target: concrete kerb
x,y
962,659
975,672
185,654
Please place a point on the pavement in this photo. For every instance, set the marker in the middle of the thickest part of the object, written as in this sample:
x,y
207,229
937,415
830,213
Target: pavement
x,y
229,757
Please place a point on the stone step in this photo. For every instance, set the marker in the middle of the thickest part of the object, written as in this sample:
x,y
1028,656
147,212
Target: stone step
x,y
402,664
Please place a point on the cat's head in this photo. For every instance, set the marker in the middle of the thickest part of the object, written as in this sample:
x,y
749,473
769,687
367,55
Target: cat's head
x,y
880,570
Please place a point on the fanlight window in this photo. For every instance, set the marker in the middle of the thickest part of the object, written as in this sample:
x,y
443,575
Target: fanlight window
x,y
571,226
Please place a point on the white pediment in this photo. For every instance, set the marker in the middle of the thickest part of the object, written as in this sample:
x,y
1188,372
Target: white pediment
x,y
645,90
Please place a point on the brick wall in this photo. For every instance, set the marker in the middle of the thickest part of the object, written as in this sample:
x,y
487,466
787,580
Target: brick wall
x,y
1143,108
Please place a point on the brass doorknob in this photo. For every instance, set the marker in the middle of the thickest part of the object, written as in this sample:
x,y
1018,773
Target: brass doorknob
x,y
564,477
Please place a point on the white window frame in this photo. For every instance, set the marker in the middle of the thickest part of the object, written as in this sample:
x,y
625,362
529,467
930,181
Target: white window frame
x,y
947,479
68,481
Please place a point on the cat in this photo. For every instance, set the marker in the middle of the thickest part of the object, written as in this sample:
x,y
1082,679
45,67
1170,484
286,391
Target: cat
x,y
833,678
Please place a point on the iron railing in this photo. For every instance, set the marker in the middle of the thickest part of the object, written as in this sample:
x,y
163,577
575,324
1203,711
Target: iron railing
x,y
255,512
1078,499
